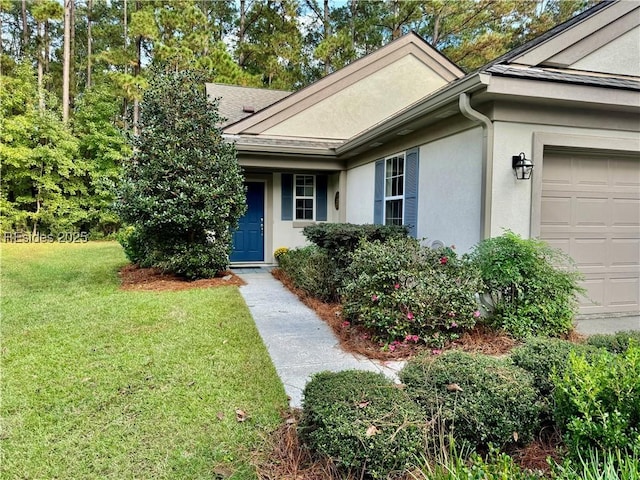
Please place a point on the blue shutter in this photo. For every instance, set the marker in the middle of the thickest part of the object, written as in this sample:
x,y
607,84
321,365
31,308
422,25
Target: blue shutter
x,y
378,199
287,196
321,198
411,180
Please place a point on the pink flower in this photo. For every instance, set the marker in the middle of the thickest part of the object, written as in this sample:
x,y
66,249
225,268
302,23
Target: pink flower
x,y
397,286
454,324
392,347
476,314
412,338
345,324
410,316
452,314
443,260
374,298
436,351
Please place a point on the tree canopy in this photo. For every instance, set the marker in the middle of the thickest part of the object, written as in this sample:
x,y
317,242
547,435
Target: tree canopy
x,y
73,73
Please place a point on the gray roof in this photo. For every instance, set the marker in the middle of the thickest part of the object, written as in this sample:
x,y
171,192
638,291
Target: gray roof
x,y
565,77
237,102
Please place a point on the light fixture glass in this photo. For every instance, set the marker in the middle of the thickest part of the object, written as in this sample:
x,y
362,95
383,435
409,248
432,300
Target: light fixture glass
x,y
522,166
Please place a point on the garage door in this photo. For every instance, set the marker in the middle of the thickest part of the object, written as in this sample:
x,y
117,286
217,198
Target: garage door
x,y
591,209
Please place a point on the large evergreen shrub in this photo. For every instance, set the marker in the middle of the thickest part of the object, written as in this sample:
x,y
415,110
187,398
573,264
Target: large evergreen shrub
x,y
183,189
531,287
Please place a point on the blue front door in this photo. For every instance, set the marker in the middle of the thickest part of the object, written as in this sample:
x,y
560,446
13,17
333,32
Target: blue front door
x,y
248,240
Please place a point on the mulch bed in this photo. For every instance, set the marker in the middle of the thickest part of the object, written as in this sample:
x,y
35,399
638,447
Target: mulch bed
x,y
133,277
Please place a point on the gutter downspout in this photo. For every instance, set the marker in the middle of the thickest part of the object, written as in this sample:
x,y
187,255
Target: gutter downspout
x,y
487,162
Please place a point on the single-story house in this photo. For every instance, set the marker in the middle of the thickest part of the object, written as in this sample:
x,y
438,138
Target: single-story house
x,y
404,136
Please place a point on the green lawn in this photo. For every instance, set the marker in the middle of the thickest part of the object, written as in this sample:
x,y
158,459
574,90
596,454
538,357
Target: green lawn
x,y
103,383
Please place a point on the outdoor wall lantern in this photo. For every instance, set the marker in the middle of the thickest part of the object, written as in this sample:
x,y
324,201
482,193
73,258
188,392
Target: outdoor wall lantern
x,y
522,166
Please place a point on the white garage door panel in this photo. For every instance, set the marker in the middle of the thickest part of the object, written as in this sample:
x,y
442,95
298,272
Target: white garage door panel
x,y
591,210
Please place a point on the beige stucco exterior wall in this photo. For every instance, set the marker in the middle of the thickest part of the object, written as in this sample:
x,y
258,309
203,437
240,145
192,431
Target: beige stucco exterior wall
x,y
621,56
512,199
363,104
360,193
449,200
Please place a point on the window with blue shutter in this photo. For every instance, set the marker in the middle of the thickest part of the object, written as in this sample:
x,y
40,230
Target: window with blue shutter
x,y
396,190
304,197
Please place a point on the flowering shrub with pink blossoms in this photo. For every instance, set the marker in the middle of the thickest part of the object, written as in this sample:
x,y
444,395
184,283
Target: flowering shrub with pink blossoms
x,y
404,291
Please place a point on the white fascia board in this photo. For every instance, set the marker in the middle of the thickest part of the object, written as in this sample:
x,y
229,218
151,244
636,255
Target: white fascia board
x,y
565,92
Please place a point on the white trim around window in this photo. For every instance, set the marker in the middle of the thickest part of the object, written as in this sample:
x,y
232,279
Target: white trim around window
x,y
394,189
304,197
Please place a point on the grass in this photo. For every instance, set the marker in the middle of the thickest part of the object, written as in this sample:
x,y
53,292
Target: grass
x,y
103,383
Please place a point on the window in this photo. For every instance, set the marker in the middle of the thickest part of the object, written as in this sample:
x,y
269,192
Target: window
x,y
304,196
394,190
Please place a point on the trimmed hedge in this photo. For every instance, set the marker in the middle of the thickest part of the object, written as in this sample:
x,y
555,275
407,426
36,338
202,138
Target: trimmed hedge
x,y
362,421
597,402
480,399
616,342
311,270
543,356
340,240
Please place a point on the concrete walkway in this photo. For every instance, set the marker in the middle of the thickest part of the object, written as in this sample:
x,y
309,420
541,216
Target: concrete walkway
x,y
299,342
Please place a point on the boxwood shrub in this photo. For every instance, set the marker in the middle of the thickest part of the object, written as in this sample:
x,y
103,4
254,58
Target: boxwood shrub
x,y
362,421
311,270
339,240
480,399
543,356
616,342
597,402
401,289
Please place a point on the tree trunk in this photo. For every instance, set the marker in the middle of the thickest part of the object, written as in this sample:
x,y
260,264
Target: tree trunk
x,y
125,102
241,30
66,60
327,33
136,71
25,29
89,40
40,57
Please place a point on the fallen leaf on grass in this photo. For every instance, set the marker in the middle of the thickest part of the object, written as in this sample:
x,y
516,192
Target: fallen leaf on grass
x,y
241,415
364,403
454,387
371,431
220,416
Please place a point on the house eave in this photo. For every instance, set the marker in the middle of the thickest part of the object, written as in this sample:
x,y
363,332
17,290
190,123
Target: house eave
x,y
258,149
